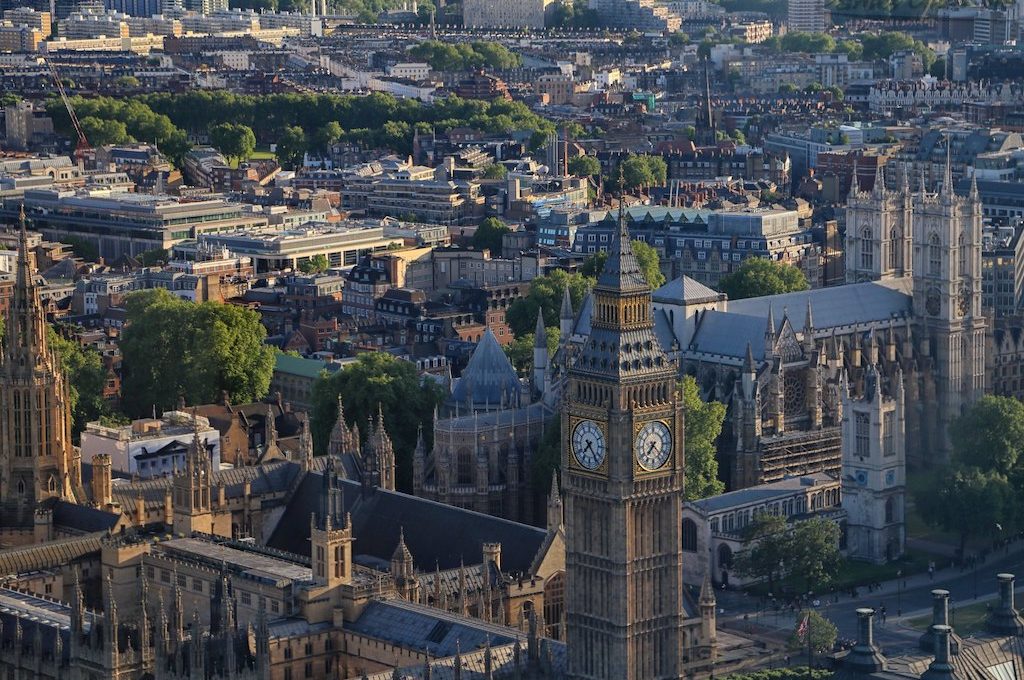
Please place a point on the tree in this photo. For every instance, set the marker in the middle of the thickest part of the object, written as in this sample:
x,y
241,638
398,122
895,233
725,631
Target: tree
x,y
237,142
489,234
520,350
102,132
127,82
968,501
546,294
83,369
292,146
814,552
495,171
703,425
759,276
990,435
328,135
548,459
314,265
646,255
584,166
821,632
175,349
644,171
766,544
377,380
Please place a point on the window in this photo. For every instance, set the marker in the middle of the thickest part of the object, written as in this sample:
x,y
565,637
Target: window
x,y
867,250
934,256
895,250
889,423
689,535
197,585
309,669
890,511
246,598
962,256
287,652
862,428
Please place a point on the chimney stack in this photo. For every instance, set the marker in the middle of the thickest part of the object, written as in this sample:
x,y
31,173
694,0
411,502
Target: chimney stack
x,y
865,657
940,617
1004,619
940,668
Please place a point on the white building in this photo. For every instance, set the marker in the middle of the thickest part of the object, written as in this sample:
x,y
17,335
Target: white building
x,y
150,447
874,470
807,15
410,70
502,13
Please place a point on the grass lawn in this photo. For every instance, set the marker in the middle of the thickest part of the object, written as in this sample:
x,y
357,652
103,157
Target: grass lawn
x,y
967,620
262,155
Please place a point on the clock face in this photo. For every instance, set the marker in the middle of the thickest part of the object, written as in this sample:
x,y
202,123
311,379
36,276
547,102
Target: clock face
x,y
653,445
588,445
932,303
890,477
862,478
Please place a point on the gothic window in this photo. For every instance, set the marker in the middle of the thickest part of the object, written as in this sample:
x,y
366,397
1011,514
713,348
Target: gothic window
x,y
934,256
51,484
795,396
867,250
895,250
724,556
962,257
862,427
714,526
21,486
689,535
464,472
889,423
554,603
890,511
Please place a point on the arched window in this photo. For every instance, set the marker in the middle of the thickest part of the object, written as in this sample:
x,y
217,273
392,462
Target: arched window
x,y
895,250
962,256
464,466
724,557
867,250
554,604
689,535
934,256
890,510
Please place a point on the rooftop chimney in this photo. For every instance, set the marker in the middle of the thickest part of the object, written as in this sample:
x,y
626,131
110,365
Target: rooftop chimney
x,y
941,667
864,657
1004,619
940,617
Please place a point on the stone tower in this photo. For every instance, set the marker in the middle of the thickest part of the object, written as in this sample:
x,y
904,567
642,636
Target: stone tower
x,y
933,241
874,469
191,489
37,460
378,467
622,480
330,533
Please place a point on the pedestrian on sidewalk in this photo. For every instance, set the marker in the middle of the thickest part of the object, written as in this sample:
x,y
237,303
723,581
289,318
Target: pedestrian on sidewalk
x,y
881,610
931,571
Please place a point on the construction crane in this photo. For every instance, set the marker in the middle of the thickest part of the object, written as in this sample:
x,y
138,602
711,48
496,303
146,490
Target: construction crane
x,y
82,145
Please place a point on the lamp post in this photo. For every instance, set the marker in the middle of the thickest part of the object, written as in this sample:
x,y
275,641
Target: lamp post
x,y
899,593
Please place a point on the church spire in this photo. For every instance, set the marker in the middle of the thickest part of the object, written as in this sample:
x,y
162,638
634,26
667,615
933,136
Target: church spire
x,y
947,177
26,342
622,271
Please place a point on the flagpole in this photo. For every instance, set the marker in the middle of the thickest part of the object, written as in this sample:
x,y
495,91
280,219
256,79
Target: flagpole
x,y
809,675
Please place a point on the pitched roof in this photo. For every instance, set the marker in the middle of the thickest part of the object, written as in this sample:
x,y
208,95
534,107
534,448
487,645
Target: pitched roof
x,y
685,290
488,376
379,515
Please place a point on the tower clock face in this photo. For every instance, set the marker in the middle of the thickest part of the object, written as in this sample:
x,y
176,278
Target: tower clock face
x,y
653,445
588,446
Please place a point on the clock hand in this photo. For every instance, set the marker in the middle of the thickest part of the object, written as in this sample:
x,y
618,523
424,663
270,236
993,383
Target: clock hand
x,y
650,448
589,446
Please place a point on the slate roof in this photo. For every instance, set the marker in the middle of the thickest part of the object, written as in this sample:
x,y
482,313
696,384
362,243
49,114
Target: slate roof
x,y
415,626
82,518
488,376
684,289
46,555
762,493
727,333
379,515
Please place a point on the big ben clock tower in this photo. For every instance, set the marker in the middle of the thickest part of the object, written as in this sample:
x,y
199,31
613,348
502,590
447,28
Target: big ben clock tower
x,y
622,476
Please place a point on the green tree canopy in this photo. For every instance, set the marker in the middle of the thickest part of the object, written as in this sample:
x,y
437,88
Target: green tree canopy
x,y
641,172
968,501
703,425
990,435
520,350
495,171
489,234
821,631
328,135
546,294
646,255
291,147
172,348
378,380
758,276
86,376
765,546
101,132
237,142
584,166
814,552
443,56
314,265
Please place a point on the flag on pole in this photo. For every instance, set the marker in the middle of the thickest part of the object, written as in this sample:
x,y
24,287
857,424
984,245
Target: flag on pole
x,y
802,630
